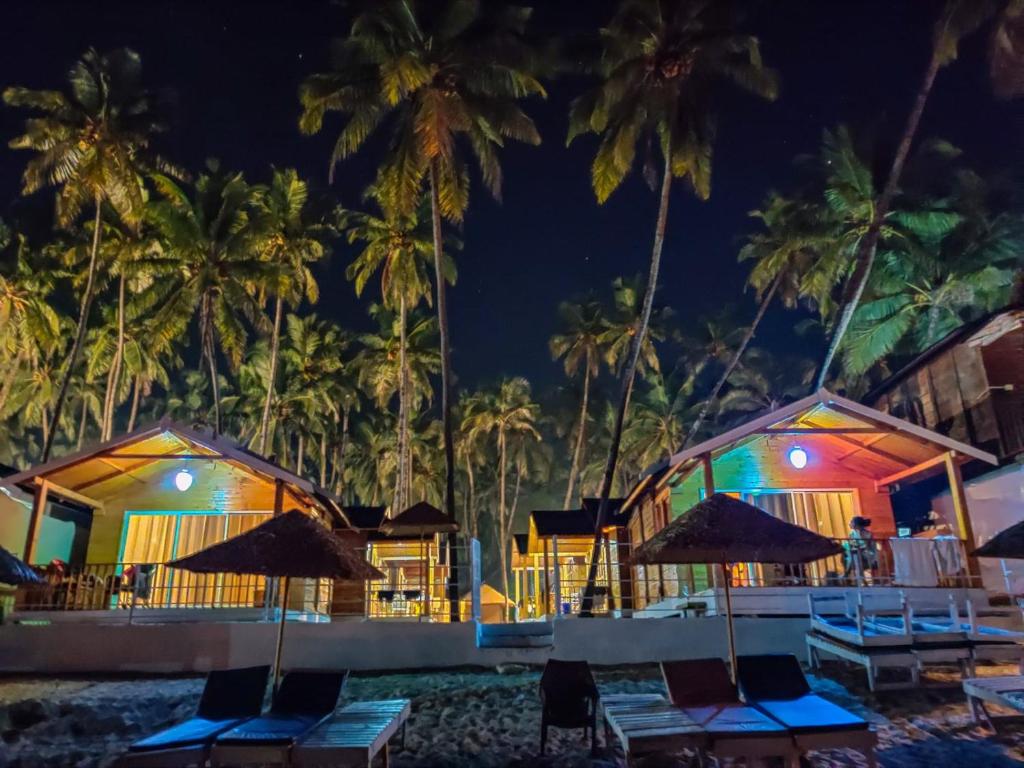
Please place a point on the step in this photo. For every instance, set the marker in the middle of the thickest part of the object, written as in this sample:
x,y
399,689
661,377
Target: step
x,y
517,641
518,629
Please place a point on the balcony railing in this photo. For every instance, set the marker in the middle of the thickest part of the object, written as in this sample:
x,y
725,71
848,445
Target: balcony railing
x,y
900,563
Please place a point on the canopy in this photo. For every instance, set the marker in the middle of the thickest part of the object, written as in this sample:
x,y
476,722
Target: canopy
x,y
13,571
421,519
290,545
723,529
1008,543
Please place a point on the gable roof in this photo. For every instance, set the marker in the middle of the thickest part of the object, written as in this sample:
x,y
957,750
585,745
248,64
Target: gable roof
x,y
876,442
573,522
105,466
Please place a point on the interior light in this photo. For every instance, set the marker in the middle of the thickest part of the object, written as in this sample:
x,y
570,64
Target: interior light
x,y
797,457
183,480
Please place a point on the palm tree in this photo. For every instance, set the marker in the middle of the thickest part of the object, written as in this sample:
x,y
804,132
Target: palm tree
x,y
442,76
580,347
659,64
656,422
212,269
293,241
765,382
400,247
957,19
92,143
506,414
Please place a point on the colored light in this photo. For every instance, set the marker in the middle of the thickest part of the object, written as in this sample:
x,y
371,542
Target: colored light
x,y
183,480
797,457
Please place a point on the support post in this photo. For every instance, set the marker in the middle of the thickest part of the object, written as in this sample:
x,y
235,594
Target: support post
x,y
557,576
270,584
729,625
622,546
474,558
963,515
35,521
547,581
709,491
608,572
278,497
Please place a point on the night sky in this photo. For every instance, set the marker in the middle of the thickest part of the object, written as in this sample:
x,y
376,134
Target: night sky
x,y
236,68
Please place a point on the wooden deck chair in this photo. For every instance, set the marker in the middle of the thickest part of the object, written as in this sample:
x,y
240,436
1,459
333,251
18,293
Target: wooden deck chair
x,y
230,698
775,683
569,699
304,700
704,691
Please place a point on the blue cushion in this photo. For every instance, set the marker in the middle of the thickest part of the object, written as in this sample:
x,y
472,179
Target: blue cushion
x,y
270,729
193,732
812,713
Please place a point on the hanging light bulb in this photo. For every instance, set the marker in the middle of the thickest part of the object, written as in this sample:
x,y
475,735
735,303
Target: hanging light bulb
x,y
797,457
183,480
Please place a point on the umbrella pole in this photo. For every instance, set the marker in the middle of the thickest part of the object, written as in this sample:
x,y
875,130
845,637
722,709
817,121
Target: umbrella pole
x,y
280,633
729,626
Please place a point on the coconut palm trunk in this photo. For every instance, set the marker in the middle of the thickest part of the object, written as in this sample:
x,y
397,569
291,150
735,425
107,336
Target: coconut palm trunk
x,y
502,525
133,415
868,246
210,353
628,374
275,349
577,452
81,423
471,519
735,360
402,479
76,344
323,460
300,455
446,390
114,381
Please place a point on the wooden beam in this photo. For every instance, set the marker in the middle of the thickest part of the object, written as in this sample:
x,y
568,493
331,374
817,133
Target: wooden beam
x,y
35,521
709,475
822,431
164,456
111,475
861,447
914,471
963,514
70,495
871,449
278,497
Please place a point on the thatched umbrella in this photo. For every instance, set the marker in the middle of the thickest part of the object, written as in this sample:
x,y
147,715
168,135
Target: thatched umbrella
x,y
723,530
1005,544
292,545
13,571
421,519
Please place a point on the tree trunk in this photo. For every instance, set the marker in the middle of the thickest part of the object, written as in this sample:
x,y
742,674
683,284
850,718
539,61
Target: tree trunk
x,y
471,516
115,383
275,346
81,423
211,361
341,450
323,460
446,391
135,403
76,344
578,449
586,607
502,525
299,454
737,355
401,480
868,246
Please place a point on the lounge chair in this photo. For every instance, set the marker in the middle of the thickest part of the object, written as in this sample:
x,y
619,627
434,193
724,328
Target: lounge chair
x,y
304,700
229,698
354,736
569,699
776,685
704,691
1005,691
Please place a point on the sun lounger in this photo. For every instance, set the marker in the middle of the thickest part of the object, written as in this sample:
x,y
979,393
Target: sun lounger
x,y
1007,691
303,701
862,628
647,724
354,736
705,693
230,698
569,699
873,658
776,684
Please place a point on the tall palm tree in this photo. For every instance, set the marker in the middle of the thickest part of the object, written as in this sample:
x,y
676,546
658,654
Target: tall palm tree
x,y
293,239
505,414
660,62
401,248
957,19
443,75
212,271
93,143
581,348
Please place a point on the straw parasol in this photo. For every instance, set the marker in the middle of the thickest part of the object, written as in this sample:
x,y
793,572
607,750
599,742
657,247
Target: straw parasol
x,y
722,530
422,520
13,571
292,545
1006,544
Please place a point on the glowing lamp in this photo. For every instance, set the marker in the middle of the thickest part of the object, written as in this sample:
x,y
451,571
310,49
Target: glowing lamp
x,y
183,480
797,457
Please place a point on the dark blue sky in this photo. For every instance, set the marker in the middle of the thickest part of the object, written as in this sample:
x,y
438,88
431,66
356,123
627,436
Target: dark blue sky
x,y
236,66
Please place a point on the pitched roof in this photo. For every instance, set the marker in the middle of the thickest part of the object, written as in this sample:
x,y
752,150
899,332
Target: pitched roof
x,y
420,518
365,518
574,522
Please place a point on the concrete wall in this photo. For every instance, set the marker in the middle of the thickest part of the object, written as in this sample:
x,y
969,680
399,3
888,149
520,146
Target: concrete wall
x,y
370,645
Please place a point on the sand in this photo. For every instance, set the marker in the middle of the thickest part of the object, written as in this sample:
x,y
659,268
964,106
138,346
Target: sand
x,y
469,718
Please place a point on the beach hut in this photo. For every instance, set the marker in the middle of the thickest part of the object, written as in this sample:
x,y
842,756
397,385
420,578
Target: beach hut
x,y
493,605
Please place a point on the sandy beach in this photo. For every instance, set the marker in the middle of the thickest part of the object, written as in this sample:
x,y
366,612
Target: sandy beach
x,y
468,718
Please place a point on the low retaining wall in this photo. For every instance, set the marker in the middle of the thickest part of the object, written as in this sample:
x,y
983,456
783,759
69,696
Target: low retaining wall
x,y
369,645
